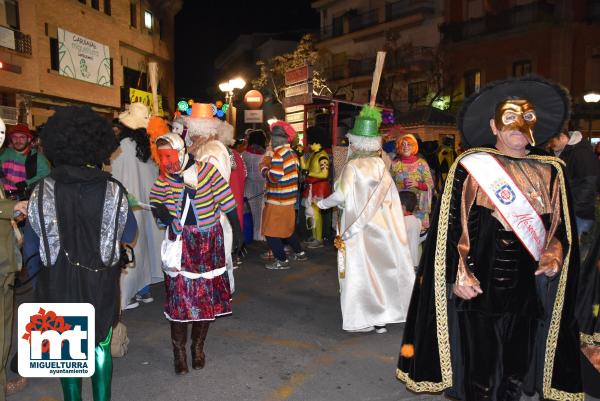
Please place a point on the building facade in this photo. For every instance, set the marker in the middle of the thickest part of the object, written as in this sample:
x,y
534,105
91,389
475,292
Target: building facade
x,y
487,41
61,52
352,31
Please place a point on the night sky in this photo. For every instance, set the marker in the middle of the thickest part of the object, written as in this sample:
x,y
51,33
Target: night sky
x,y
204,28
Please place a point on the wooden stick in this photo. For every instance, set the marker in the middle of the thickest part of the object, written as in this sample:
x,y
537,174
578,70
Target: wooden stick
x,y
376,77
153,75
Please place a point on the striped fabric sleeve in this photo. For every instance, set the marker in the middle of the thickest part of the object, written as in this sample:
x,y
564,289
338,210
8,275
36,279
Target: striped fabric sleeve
x,y
276,171
289,165
159,194
221,191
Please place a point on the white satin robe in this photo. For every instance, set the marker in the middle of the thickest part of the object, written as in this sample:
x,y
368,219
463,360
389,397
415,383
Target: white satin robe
x,y
215,153
378,269
137,177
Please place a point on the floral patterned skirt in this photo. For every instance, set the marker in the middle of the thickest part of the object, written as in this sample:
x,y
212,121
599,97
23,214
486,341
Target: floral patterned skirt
x,y
200,298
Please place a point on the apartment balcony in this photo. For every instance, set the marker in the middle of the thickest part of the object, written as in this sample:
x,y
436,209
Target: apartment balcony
x,y
393,16
516,17
15,40
403,8
415,58
358,68
364,20
336,72
330,31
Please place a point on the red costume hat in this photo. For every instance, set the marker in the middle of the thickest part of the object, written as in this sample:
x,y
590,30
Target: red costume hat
x,y
20,129
289,131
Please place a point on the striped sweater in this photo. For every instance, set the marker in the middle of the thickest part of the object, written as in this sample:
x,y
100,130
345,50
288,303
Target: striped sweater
x,y
282,177
213,197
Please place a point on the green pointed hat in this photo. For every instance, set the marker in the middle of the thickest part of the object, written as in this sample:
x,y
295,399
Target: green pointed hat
x,y
367,123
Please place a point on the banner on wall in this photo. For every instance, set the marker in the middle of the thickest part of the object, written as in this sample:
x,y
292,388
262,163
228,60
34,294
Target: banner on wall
x,y
82,58
136,95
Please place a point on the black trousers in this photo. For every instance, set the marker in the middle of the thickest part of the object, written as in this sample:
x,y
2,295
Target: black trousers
x,y
497,352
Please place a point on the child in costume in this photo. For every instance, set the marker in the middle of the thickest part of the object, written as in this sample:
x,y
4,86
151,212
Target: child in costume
x,y
411,173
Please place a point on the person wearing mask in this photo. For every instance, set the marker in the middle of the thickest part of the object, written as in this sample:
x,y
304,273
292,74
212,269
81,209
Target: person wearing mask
x,y
132,166
492,313
189,200
79,251
280,169
22,166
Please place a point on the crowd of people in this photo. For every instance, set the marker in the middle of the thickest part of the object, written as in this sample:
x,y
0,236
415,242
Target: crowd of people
x,y
491,260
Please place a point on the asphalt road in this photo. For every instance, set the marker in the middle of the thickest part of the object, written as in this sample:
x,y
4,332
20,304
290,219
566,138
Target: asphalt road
x,y
283,342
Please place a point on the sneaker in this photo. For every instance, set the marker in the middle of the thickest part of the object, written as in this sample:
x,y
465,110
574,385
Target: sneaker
x,y
314,244
132,305
300,256
267,255
278,265
380,329
146,298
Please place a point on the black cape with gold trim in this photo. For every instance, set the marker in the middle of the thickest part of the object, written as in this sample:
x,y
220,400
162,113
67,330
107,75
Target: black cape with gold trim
x,y
432,361
588,313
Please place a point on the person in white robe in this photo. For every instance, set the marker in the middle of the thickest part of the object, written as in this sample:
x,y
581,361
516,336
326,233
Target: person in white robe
x,y
375,268
132,166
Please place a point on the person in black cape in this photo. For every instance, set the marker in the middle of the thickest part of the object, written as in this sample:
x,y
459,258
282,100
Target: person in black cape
x,y
492,314
76,218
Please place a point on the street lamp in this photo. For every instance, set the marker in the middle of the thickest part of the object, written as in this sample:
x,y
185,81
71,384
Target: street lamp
x,y
228,87
591,97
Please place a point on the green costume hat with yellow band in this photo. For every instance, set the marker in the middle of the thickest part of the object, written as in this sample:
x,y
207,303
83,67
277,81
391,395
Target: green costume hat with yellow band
x,y
367,123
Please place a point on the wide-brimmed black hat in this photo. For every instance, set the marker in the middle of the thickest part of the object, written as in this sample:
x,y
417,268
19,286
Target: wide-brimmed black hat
x,y
551,102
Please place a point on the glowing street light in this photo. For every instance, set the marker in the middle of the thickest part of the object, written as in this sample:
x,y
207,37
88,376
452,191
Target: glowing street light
x,y
228,88
592,97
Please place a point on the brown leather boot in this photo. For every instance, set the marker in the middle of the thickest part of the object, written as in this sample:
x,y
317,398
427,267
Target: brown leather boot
x,y
199,331
179,338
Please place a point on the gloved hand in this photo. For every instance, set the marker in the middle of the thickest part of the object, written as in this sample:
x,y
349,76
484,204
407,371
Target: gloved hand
x,y
21,186
236,230
160,212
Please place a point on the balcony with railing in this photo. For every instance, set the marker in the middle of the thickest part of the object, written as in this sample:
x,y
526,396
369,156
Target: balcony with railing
x,y
363,20
404,8
358,68
414,58
336,72
516,17
15,40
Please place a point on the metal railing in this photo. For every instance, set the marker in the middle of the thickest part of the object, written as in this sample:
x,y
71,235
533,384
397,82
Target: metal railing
x,y
357,68
9,115
15,40
418,55
330,31
539,11
336,72
363,20
402,8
